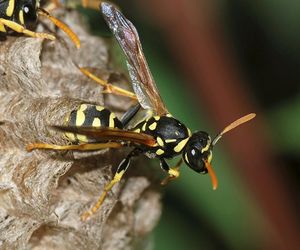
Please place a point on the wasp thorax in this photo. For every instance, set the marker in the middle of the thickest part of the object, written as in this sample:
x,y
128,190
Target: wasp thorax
x,y
197,151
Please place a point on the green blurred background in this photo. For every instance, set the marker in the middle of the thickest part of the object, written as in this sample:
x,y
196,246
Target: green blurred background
x,y
253,209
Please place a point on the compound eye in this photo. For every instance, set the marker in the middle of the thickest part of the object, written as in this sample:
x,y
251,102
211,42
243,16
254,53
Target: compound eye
x,y
195,160
203,142
29,13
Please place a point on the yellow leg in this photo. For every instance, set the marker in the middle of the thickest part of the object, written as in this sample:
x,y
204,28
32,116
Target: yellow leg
x,y
108,88
173,173
65,28
20,29
107,188
118,176
80,147
56,3
94,4
52,5
91,4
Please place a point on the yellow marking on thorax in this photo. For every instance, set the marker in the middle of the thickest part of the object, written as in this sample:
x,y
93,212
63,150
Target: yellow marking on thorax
x,y
159,151
144,126
96,122
80,116
170,140
156,118
10,8
160,141
181,145
189,132
153,126
21,16
2,28
169,115
111,120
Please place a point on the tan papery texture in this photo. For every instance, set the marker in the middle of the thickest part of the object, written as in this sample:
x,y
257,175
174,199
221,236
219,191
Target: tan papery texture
x,y
43,193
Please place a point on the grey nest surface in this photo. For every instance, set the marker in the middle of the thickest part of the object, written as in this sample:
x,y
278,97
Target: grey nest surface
x,y
43,193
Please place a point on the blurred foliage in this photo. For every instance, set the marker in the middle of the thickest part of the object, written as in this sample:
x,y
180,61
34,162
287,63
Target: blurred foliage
x,y
226,211
286,131
265,36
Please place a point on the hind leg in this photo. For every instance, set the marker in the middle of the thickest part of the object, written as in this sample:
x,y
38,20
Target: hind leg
x,y
108,87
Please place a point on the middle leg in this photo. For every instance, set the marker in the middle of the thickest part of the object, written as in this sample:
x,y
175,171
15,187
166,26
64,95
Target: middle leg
x,y
173,172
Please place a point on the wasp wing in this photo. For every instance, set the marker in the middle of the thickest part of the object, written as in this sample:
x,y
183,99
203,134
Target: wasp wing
x,y
142,81
111,134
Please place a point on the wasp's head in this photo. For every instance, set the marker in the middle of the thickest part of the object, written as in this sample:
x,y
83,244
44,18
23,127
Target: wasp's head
x,y
26,12
198,150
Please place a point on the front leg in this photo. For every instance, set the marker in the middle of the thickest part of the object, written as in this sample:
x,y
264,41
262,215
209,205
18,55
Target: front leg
x,y
20,29
173,172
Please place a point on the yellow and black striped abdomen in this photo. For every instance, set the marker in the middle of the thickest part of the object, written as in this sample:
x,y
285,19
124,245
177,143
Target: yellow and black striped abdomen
x,y
88,115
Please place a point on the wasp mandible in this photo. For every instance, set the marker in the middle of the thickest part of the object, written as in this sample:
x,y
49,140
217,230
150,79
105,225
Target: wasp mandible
x,y
147,127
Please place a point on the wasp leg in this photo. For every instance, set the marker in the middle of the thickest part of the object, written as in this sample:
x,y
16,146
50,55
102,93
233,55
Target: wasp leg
x,y
94,4
20,29
123,166
173,172
108,88
91,4
64,27
80,147
52,5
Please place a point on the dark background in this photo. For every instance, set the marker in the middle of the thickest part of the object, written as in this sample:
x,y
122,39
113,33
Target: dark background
x,y
213,62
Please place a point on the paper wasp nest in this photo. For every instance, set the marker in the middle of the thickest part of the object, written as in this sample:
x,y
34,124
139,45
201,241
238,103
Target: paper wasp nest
x,y
43,193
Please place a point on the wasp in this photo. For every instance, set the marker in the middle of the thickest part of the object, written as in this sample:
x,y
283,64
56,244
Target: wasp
x,y
19,15
147,127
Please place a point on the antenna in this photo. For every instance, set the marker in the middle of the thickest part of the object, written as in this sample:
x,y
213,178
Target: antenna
x,y
233,125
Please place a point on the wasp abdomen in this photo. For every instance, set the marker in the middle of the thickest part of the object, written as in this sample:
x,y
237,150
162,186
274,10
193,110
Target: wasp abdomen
x,y
88,115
